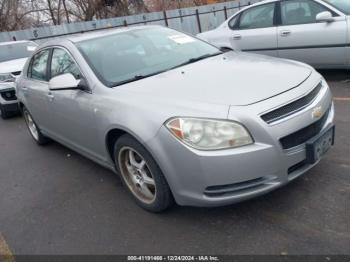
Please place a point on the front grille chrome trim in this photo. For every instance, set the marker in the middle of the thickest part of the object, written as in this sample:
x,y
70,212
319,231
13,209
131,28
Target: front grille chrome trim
x,y
293,107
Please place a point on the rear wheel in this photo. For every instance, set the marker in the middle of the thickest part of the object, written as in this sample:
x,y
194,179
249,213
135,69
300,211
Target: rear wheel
x,y
141,175
34,129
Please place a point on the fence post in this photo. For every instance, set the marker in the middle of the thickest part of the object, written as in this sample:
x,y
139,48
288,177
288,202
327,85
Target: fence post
x,y
239,5
165,18
225,11
125,23
198,21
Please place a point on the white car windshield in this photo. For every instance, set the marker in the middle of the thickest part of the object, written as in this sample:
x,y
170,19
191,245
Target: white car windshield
x,y
342,5
15,51
132,55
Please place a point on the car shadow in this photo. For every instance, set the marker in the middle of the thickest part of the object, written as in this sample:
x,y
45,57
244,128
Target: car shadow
x,y
335,74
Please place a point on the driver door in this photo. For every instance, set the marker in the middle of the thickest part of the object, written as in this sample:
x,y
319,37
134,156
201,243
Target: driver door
x,y
72,110
255,30
301,37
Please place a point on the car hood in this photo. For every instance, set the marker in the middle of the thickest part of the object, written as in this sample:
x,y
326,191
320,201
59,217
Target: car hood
x,y
12,66
6,86
234,78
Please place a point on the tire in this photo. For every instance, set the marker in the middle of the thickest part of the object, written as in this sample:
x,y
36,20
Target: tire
x,y
4,114
141,175
33,128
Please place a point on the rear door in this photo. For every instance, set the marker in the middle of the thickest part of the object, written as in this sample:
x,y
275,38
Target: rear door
x,y
302,38
255,30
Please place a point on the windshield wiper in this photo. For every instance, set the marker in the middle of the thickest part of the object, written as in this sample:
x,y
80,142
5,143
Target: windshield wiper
x,y
196,59
136,78
139,77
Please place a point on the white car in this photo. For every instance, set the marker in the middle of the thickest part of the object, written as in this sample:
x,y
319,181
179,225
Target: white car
x,y
311,31
13,56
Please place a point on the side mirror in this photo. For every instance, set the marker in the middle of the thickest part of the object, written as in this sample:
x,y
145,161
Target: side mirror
x,y
66,82
325,17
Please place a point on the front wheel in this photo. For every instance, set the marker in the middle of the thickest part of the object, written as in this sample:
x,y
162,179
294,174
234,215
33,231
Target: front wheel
x,y
141,175
34,129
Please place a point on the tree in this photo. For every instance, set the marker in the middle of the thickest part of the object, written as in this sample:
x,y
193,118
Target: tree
x,y
17,14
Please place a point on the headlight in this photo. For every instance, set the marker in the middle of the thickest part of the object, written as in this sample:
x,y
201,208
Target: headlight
x,y
206,134
7,78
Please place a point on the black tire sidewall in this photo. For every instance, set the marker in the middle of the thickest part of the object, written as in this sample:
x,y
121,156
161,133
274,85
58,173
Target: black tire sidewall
x,y
42,140
164,198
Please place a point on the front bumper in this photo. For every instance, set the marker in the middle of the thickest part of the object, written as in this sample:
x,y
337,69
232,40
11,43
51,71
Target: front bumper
x,y
9,104
214,178
11,108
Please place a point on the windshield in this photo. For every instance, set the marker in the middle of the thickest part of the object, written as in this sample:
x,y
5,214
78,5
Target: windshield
x,y
342,5
129,56
15,51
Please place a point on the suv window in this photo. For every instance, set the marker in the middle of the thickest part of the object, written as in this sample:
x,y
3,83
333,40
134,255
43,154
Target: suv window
x,y
16,50
38,66
258,17
62,63
296,12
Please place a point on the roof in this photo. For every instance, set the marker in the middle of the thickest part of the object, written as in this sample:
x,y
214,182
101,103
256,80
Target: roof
x,y
106,32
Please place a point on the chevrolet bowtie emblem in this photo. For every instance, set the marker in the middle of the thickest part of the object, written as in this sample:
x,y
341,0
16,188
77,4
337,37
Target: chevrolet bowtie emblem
x,y
317,112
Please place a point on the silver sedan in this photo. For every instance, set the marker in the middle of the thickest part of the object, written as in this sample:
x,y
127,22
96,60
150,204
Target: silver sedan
x,y
179,120
311,31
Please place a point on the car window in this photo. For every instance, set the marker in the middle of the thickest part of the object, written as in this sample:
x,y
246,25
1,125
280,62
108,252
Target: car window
x,y
300,11
14,51
38,66
342,5
233,21
63,63
258,17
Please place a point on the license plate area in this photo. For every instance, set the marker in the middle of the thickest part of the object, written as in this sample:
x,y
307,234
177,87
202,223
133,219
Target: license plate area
x,y
319,146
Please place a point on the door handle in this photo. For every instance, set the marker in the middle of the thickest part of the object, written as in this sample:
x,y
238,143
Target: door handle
x,y
51,97
237,37
24,90
285,33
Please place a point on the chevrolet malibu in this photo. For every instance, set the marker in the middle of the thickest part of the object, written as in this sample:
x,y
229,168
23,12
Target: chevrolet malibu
x,y
176,118
311,31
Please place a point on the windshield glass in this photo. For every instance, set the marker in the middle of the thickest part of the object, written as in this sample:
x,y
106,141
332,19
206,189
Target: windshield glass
x,y
128,56
15,51
342,5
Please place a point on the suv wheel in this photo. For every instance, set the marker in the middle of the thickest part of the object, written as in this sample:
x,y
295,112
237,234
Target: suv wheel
x,y
141,175
34,129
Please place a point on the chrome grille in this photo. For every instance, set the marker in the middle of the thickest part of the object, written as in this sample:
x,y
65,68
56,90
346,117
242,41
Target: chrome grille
x,y
293,107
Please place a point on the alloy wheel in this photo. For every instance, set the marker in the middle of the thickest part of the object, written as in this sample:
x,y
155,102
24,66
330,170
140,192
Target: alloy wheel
x,y
137,175
31,125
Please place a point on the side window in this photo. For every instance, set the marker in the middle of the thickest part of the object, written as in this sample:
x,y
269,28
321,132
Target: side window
x,y
38,66
233,22
258,17
62,63
296,12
